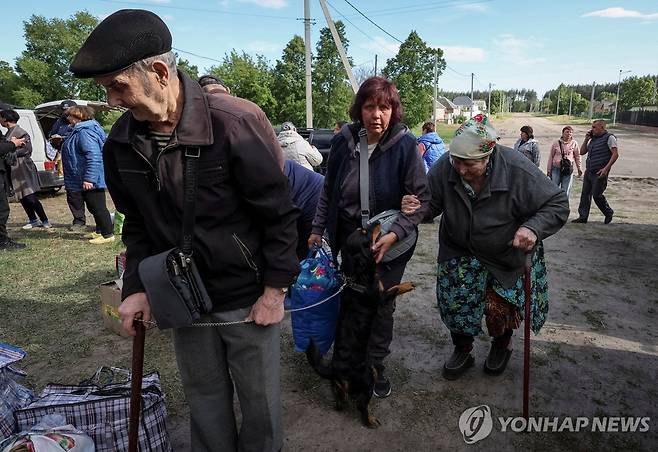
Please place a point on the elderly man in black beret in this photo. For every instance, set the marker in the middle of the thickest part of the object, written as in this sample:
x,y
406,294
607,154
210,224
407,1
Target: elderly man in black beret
x,y
244,236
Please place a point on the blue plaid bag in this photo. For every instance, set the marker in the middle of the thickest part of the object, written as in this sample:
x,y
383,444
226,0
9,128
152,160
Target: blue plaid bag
x,y
318,280
13,396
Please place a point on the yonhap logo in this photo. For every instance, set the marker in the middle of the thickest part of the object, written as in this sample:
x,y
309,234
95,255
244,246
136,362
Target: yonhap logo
x,y
476,423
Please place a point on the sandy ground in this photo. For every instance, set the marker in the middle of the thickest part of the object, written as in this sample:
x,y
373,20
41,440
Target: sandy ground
x,y
636,145
596,356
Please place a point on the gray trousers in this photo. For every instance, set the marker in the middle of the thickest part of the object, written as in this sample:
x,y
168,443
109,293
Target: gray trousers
x,y
593,187
211,360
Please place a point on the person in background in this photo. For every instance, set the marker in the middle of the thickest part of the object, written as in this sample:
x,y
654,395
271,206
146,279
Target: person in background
x,y
212,84
395,170
339,125
61,128
83,172
305,189
527,145
24,175
430,145
496,207
296,148
601,149
564,147
7,147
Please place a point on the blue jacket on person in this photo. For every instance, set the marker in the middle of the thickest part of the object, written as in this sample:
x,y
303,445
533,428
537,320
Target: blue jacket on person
x,y
305,188
82,156
434,149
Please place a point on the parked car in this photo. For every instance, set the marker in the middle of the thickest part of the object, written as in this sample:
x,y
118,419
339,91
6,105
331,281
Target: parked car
x,y
321,139
37,123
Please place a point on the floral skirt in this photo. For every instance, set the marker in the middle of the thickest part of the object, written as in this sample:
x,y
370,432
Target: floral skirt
x,y
461,287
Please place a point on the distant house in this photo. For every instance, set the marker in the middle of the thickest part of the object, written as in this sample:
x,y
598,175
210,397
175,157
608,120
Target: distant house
x,y
450,110
469,107
603,107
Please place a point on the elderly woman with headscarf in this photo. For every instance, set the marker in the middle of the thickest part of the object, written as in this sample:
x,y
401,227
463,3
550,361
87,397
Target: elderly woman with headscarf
x,y
395,170
497,206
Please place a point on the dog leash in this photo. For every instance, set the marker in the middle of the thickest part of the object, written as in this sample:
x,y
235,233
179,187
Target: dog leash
x,y
237,322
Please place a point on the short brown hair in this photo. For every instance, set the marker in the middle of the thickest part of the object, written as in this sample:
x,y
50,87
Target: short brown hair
x,y
429,126
82,112
528,131
378,89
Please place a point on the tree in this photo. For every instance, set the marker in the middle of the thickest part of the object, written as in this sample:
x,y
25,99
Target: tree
x,y
248,78
332,93
605,95
43,66
289,83
8,82
189,69
412,70
635,92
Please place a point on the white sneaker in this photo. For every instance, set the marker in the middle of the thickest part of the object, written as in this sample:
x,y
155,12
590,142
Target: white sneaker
x,y
35,224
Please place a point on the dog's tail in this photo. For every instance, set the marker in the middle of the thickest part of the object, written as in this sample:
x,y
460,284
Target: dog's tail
x,y
315,360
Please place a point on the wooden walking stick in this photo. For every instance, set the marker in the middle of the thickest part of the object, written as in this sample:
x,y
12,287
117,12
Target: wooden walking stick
x,y
526,336
136,385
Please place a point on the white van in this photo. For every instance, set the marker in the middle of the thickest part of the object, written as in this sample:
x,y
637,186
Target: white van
x,y
37,123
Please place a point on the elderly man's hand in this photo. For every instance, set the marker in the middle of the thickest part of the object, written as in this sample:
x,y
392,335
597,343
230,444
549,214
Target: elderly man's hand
x,y
134,306
410,204
524,239
268,309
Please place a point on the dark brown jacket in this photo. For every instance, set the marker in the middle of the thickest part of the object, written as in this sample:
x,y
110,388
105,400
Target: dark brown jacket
x,y
245,233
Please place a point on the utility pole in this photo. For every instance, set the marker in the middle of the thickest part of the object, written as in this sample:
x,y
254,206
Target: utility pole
x,y
570,101
307,48
614,116
557,108
339,46
472,102
489,101
375,65
591,101
436,82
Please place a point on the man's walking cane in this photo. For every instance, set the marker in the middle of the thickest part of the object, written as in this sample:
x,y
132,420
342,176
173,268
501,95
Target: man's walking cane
x,y
526,337
136,385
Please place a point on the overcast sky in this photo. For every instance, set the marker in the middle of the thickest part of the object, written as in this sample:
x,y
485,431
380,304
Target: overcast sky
x,y
512,44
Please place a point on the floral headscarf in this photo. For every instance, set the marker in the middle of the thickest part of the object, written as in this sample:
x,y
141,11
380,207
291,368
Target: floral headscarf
x,y
475,139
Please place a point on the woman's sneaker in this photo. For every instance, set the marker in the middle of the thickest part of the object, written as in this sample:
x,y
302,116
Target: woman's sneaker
x,y
102,240
93,235
33,224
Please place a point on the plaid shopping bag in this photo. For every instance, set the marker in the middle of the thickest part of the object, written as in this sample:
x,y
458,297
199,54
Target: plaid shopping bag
x,y
103,412
12,395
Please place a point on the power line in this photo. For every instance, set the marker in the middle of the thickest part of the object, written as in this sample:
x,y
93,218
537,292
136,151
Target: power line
x,y
202,10
372,22
197,55
362,32
422,7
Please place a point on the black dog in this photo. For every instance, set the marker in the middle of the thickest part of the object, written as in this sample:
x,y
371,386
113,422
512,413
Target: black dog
x,y
353,377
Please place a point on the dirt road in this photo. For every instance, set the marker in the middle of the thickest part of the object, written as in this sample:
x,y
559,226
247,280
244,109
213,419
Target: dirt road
x,y
638,150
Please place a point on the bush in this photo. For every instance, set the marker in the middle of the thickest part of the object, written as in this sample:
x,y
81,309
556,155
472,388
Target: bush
x,y
460,119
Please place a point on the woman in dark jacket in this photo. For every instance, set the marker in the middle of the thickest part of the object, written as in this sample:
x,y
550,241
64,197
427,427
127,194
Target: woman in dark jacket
x,y
24,175
395,170
83,170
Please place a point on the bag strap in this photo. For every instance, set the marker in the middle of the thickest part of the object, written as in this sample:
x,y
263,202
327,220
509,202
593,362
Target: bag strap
x,y
561,148
192,155
364,180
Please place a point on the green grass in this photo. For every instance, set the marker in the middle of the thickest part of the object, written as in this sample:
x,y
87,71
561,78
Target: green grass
x,y
445,131
566,119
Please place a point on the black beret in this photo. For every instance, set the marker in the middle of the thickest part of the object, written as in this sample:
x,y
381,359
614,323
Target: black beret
x,y
65,104
121,39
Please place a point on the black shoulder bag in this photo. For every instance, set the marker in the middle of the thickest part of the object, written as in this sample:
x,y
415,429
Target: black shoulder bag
x,y
171,279
566,166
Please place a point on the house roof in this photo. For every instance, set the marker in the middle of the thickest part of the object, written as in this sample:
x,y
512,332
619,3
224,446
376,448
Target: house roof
x,y
463,101
445,102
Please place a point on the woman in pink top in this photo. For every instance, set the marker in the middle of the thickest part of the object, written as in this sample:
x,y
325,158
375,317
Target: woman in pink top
x,y
567,145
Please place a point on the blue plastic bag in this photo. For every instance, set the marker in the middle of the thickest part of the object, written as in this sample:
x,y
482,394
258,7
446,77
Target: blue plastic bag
x,y
318,280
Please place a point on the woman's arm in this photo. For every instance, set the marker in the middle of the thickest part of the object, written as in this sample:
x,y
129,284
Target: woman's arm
x,y
549,165
26,149
535,153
